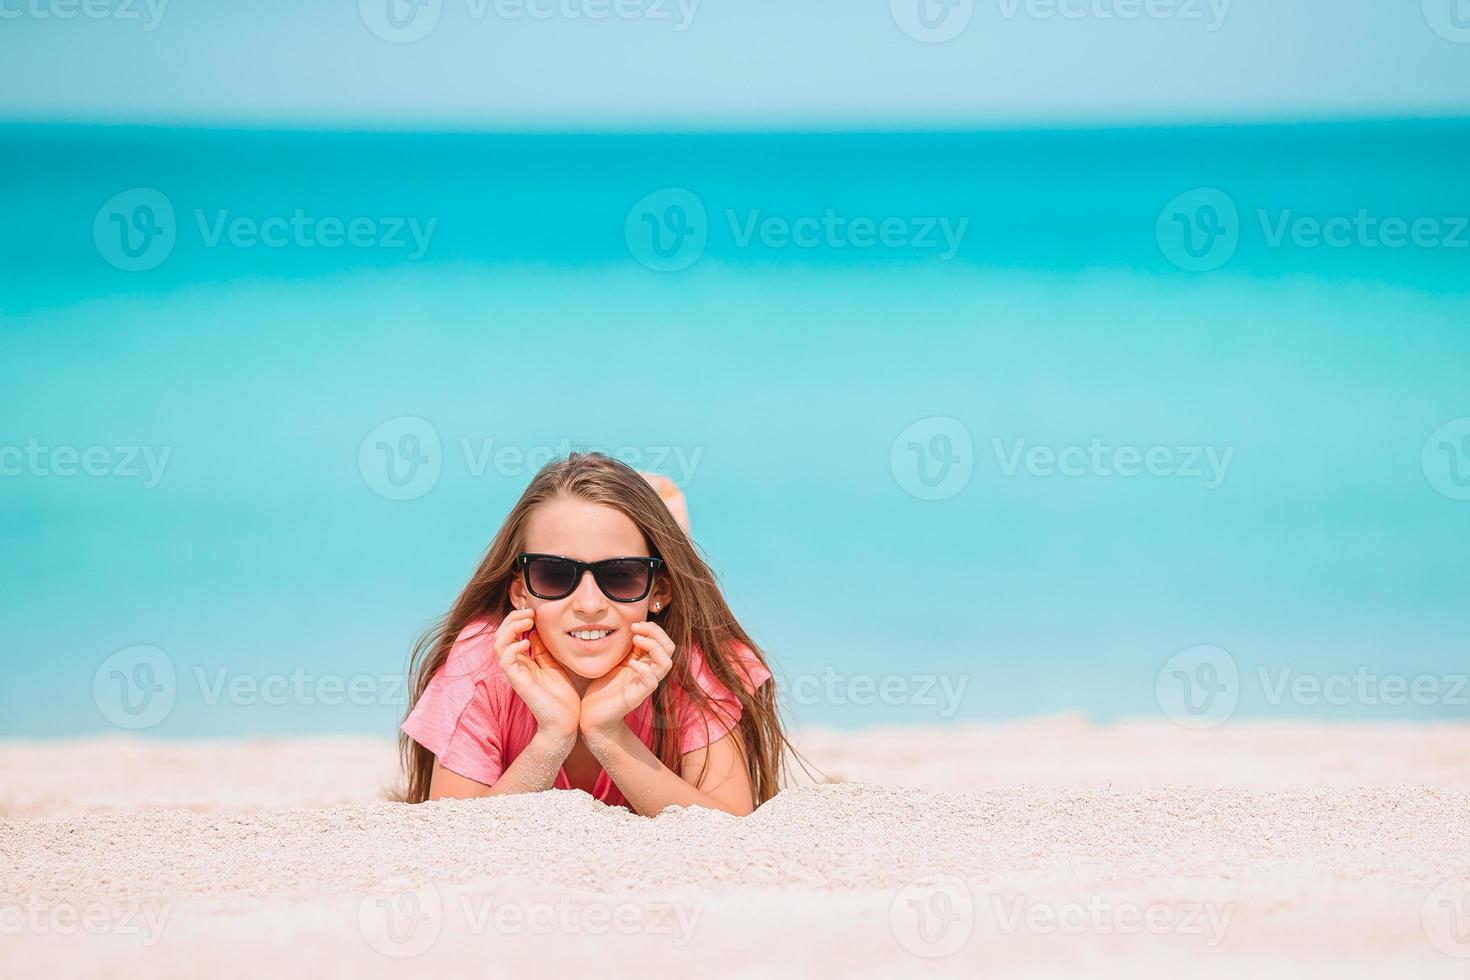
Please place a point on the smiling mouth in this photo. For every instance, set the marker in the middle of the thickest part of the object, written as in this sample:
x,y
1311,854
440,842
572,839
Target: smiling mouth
x,y
590,638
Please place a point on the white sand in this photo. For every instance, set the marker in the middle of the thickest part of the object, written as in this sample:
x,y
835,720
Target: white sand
x,y
1050,848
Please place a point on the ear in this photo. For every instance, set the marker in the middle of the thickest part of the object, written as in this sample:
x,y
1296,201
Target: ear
x,y
662,592
518,595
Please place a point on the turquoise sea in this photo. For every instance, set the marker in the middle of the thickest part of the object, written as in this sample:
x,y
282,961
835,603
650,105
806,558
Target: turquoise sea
x,y
1024,413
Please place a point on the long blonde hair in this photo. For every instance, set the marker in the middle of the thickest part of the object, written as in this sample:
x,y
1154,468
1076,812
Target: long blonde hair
x,y
697,615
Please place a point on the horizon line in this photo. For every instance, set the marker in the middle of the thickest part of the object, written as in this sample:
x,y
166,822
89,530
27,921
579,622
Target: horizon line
x,y
780,128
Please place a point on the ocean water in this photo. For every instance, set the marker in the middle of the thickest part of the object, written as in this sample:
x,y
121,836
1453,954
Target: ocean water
x,y
973,426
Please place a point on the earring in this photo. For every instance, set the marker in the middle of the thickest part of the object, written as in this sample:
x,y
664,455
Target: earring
x,y
655,607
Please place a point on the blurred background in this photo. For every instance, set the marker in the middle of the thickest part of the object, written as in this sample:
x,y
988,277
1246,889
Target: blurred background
x,y
1015,358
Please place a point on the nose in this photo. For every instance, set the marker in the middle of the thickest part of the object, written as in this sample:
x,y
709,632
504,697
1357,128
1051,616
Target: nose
x,y
588,599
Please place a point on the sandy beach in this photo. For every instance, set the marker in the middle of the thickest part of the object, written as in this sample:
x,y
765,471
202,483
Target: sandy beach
x,y
1047,848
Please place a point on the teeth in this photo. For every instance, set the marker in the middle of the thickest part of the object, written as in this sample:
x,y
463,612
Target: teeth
x,y
590,634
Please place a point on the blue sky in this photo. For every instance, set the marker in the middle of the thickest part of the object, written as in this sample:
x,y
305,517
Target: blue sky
x,y
711,64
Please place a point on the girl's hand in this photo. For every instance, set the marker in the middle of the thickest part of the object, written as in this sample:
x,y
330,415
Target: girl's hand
x,y
629,684
536,676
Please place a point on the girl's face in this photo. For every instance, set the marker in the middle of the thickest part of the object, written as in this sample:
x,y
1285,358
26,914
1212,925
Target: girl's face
x,y
575,528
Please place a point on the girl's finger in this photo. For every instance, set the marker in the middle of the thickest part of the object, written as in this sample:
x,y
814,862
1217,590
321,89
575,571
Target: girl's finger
x,y
657,669
511,651
512,625
645,646
655,630
660,655
667,647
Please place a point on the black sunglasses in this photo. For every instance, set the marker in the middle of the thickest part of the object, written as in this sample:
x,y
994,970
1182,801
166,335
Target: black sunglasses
x,y
556,577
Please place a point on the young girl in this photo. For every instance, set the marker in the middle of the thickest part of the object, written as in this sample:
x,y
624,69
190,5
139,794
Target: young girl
x,y
593,650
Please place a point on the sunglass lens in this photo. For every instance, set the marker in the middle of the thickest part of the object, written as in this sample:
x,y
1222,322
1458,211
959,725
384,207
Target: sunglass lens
x,y
625,581
550,577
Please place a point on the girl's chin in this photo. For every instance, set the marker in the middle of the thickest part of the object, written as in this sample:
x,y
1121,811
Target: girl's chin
x,y
590,666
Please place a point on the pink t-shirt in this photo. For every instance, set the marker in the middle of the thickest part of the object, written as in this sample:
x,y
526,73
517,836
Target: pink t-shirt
x,y
476,724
